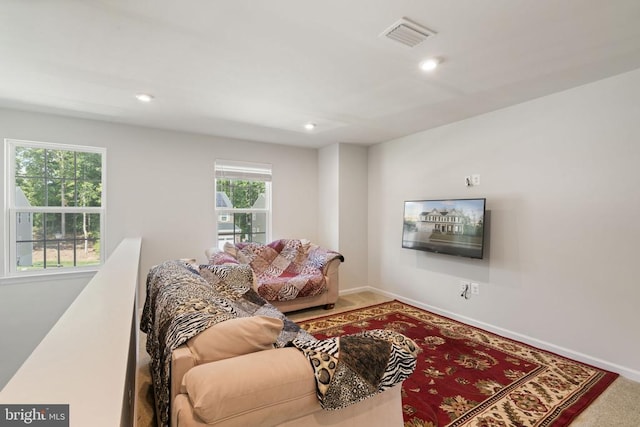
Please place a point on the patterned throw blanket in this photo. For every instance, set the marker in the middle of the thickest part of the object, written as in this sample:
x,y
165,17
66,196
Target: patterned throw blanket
x,y
183,299
285,269
351,368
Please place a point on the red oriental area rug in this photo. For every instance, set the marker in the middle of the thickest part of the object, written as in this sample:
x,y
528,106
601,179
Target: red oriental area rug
x,y
469,377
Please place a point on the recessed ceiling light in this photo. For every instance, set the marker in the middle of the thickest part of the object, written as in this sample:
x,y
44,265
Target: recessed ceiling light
x,y
144,97
429,64
310,126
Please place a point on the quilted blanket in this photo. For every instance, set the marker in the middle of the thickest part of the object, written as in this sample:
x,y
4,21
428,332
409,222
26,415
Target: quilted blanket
x,y
183,299
285,269
351,368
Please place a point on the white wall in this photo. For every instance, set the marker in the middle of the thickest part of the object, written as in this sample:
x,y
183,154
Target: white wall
x,y
27,312
353,216
328,196
91,347
160,183
343,215
560,175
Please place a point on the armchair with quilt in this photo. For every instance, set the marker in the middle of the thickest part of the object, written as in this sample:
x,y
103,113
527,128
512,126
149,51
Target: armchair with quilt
x,y
291,274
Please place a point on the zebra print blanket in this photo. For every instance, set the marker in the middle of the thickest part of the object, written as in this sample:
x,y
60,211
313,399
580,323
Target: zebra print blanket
x,y
351,368
183,299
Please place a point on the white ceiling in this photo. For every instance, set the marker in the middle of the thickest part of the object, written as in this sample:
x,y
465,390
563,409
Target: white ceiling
x,y
260,69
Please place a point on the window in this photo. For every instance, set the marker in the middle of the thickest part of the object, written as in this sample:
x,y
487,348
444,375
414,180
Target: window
x,y
55,206
243,202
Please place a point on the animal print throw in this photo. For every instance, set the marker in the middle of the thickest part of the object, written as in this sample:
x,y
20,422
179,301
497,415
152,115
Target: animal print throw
x,y
351,368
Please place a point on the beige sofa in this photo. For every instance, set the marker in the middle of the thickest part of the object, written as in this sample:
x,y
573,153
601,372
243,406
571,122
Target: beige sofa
x,y
246,390
238,361
326,299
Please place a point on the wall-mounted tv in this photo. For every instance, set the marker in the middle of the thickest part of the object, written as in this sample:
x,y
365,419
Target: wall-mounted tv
x,y
453,226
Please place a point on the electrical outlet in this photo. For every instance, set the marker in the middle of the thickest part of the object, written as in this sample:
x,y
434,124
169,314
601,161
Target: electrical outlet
x,y
465,288
475,289
475,179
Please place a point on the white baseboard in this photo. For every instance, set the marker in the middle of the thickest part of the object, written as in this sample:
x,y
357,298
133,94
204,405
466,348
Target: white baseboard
x,y
626,372
357,290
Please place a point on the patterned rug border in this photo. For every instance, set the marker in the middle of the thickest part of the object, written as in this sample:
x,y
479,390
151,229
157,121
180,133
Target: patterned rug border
x,y
599,382
315,319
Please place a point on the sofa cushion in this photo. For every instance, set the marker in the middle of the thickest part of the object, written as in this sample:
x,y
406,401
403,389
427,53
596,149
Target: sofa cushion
x,y
235,337
262,388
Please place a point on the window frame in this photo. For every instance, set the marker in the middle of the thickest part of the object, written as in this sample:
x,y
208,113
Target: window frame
x,y
11,210
246,171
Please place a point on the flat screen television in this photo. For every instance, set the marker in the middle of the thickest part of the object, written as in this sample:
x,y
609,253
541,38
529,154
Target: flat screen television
x,y
449,226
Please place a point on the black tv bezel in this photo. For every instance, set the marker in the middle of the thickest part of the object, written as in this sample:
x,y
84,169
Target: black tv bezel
x,y
443,249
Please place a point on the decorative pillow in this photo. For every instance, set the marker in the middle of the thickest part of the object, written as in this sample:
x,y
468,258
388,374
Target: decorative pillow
x,y
234,337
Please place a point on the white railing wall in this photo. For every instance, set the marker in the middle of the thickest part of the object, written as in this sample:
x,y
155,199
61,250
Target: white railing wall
x,y
88,358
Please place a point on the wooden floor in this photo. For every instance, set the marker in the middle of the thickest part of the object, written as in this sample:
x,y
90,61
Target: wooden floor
x,y
617,406
344,303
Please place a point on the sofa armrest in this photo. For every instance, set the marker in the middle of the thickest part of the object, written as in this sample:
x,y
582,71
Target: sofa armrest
x,y
330,269
181,361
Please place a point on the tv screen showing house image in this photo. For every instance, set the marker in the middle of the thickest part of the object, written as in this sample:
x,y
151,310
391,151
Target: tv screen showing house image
x,y
453,227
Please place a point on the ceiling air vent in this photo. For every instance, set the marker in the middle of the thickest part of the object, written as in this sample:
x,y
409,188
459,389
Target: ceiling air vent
x,y
407,32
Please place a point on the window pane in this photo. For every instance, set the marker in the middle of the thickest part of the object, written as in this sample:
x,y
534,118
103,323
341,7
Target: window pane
x,y
242,194
226,230
60,164
58,178
55,240
30,192
29,162
259,227
242,227
89,166
89,193
249,232
89,179
53,196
